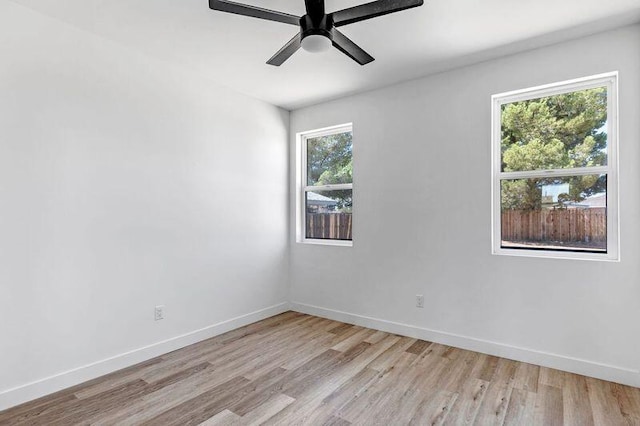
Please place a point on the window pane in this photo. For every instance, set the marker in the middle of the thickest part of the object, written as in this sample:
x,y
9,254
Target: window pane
x,y
329,159
328,214
555,132
567,213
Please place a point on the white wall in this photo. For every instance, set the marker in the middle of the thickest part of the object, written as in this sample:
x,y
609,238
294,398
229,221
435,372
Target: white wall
x,y
125,184
422,222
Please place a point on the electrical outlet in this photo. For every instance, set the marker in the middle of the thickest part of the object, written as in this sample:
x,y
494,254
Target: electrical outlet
x,y
419,301
159,312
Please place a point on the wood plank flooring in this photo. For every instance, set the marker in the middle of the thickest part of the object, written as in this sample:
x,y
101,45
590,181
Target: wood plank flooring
x,y
295,369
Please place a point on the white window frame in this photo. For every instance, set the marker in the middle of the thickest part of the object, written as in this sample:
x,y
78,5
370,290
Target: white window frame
x,y
302,187
608,80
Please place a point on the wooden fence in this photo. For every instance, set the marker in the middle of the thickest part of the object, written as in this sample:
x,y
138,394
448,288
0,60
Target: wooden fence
x,y
586,225
571,225
335,226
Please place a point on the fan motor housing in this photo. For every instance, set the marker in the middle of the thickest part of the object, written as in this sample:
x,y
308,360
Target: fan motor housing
x,y
321,27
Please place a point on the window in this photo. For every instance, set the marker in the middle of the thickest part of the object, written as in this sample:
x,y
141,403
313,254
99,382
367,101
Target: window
x,y
325,186
555,170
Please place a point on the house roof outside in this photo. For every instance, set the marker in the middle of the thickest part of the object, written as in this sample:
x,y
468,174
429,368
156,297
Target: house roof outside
x,y
592,202
320,200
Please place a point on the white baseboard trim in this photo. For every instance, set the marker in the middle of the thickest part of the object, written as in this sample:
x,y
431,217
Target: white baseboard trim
x,y
63,380
584,367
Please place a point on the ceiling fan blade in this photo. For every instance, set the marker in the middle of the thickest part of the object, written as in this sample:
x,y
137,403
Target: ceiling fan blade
x,y
287,50
349,48
315,8
253,11
372,10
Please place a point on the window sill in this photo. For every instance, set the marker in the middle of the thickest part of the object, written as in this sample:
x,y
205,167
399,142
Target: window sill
x,y
568,255
337,243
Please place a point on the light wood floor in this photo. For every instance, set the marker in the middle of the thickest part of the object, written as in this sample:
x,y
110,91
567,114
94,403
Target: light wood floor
x,y
300,369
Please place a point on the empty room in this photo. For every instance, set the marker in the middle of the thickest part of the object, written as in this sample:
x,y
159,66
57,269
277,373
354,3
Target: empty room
x,y
319,212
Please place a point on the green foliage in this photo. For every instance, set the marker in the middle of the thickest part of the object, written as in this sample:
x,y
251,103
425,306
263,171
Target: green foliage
x,y
555,132
563,199
535,155
521,194
330,161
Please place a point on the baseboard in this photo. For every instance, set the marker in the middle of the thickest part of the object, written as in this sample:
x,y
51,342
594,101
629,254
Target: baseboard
x,y
584,367
57,382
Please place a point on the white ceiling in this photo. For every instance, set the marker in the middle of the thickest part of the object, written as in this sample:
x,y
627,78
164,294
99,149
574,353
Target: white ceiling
x,y
232,50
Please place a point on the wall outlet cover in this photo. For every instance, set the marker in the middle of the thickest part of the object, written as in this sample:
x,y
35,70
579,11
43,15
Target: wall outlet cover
x,y
159,312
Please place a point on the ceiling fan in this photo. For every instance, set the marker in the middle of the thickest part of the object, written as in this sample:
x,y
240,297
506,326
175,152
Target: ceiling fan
x,y
318,30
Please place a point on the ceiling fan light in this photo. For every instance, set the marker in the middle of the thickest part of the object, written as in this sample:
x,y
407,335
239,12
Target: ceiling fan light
x,y
316,43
